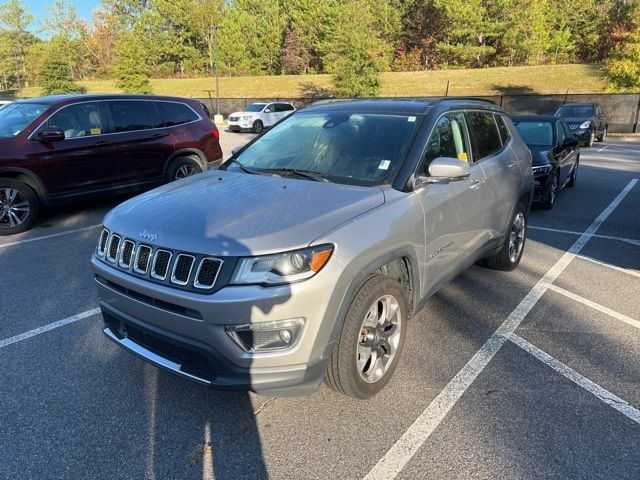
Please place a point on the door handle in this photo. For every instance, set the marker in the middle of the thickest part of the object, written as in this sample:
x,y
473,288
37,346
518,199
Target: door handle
x,y
512,164
475,184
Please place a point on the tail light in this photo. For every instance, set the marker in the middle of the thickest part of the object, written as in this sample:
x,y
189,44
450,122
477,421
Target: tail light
x,y
216,133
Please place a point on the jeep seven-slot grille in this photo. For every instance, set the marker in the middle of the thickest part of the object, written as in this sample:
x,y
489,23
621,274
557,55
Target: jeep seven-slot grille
x,y
178,269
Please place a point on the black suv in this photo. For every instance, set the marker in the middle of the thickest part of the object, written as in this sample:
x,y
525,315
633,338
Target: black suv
x,y
587,121
62,148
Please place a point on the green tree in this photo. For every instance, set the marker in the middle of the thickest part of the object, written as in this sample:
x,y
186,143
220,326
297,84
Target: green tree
x,y
15,19
623,65
131,69
55,76
357,54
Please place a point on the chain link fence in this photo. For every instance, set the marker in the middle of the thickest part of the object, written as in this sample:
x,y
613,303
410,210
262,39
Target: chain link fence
x,y
622,109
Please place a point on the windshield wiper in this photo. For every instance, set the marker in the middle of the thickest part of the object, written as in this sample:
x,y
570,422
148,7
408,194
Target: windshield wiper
x,y
243,168
315,176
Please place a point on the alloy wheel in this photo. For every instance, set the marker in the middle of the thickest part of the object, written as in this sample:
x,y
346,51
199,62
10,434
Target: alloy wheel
x,y
554,189
14,208
186,171
379,338
516,237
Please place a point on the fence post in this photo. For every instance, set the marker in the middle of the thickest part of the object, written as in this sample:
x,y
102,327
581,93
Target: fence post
x,y
636,127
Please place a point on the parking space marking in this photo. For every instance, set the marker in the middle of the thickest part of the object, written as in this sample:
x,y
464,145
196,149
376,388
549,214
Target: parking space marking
x,y
632,241
596,306
606,396
46,328
392,463
604,148
628,271
44,237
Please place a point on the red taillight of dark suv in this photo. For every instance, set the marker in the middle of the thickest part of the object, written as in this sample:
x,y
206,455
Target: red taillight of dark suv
x,y
57,149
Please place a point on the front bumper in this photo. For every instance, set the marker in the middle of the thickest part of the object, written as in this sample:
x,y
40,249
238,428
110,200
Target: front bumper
x,y
239,125
582,134
184,332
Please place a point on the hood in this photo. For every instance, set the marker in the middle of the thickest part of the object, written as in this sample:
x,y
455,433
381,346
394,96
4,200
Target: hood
x,y
541,155
240,114
577,120
239,214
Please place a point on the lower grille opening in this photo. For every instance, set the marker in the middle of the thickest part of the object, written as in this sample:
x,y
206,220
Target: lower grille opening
x,y
190,361
172,307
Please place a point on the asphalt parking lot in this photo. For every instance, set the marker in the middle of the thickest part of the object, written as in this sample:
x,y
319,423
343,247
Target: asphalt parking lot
x,y
529,374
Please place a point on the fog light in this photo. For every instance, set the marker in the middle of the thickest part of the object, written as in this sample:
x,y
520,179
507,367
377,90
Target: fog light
x,y
267,336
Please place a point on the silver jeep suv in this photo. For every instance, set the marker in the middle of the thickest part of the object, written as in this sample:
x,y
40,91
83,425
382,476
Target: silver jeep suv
x,y
305,255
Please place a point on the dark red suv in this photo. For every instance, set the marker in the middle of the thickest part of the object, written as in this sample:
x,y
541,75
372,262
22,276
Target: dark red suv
x,y
58,149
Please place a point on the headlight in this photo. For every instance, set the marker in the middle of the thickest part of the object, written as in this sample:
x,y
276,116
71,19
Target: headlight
x,y
245,117
282,268
541,169
586,124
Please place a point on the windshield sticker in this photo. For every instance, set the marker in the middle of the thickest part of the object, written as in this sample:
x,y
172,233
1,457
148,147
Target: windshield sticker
x,y
384,165
411,119
463,156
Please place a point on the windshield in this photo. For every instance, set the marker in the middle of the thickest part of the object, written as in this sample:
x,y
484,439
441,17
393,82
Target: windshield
x,y
15,117
255,107
539,134
351,148
575,111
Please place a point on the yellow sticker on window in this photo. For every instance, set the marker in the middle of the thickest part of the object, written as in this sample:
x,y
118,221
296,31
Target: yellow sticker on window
x,y
95,131
463,156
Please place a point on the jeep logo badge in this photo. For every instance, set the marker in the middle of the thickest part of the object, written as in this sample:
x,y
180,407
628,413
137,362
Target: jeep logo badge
x,y
152,237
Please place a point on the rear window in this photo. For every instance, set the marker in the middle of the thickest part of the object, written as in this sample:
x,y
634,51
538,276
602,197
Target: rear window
x,y
484,134
173,113
537,134
133,115
283,107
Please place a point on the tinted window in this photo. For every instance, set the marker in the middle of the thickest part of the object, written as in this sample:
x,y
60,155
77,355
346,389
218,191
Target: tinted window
x,y
254,107
536,134
484,134
79,120
283,107
560,134
15,117
447,140
129,116
350,148
175,113
575,111
505,134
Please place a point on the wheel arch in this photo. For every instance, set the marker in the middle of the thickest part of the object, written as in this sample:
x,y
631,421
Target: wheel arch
x,y
186,152
28,177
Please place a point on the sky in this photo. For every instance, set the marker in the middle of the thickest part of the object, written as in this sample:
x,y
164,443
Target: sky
x,y
37,7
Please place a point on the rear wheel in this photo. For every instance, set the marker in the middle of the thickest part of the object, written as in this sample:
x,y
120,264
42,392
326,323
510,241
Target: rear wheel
x,y
603,136
371,340
19,206
509,255
258,126
183,167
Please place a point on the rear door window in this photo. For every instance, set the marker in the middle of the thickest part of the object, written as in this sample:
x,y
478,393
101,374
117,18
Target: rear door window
x,y
283,107
484,134
133,115
78,120
448,139
505,134
174,113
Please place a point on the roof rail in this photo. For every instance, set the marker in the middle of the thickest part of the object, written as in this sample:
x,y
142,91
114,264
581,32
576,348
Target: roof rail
x,y
477,99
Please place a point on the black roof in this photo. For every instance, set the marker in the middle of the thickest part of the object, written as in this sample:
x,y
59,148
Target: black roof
x,y
50,100
414,106
535,118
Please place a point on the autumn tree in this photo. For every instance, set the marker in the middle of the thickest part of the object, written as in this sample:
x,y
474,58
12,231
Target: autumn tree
x,y
623,65
294,59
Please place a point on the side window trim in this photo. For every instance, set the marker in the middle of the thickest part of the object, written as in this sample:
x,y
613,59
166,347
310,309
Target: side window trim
x,y
473,144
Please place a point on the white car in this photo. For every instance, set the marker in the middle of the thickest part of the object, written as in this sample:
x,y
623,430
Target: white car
x,y
4,103
257,116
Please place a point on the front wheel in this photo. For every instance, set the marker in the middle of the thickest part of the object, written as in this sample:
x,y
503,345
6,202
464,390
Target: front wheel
x,y
592,139
372,337
551,193
509,255
574,175
258,126
19,206
603,136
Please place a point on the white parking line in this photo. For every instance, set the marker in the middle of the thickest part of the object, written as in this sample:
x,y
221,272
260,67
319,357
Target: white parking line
x,y
633,241
46,328
628,271
606,396
596,306
44,237
419,431
603,148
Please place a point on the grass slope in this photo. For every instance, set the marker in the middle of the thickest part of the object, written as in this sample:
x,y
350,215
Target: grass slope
x,y
486,81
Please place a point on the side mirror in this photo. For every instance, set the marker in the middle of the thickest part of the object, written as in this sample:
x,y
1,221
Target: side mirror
x,y
443,170
236,149
570,141
51,135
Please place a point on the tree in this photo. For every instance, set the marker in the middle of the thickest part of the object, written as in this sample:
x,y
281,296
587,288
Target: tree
x,y
294,59
356,55
55,74
15,18
131,67
623,65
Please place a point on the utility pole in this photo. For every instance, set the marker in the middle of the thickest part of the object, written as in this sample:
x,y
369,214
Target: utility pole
x,y
217,117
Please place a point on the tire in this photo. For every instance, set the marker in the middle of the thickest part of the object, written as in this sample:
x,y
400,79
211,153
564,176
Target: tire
x,y
551,194
354,372
574,175
183,167
592,139
506,260
603,136
19,206
257,127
